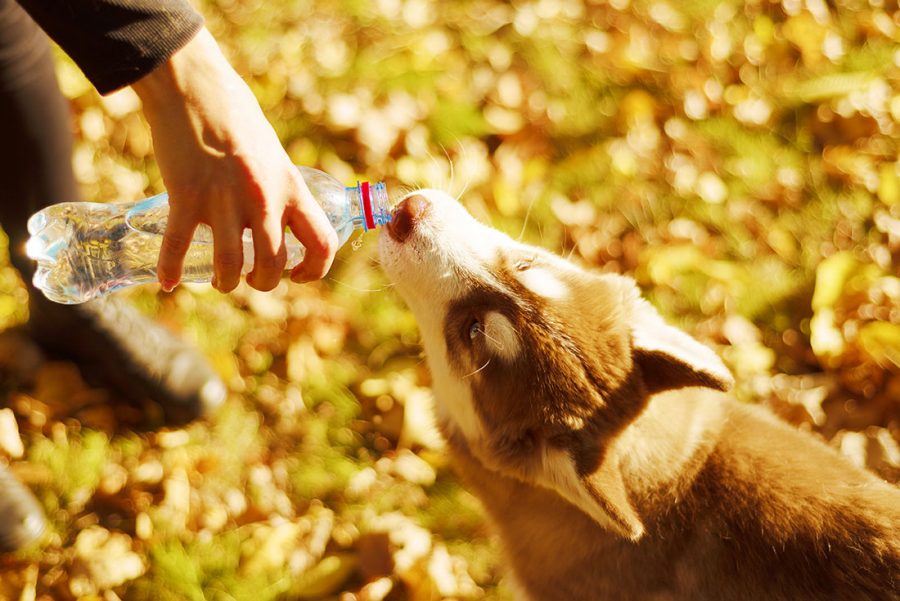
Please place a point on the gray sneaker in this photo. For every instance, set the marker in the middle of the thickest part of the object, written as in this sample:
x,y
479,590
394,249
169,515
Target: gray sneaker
x,y
116,345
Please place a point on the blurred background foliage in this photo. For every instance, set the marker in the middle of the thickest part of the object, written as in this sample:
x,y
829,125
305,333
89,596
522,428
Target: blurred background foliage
x,y
740,159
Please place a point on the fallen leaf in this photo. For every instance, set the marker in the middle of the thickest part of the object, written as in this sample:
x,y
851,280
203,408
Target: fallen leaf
x,y
103,560
10,441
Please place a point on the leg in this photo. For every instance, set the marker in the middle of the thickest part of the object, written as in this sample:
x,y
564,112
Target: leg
x,y
35,130
25,66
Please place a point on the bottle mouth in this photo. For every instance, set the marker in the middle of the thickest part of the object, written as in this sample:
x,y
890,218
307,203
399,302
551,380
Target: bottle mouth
x,y
374,205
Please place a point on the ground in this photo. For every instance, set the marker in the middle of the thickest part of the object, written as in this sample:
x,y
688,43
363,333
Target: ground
x,y
738,159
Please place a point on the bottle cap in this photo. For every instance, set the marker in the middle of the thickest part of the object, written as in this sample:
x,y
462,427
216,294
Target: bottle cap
x,y
373,202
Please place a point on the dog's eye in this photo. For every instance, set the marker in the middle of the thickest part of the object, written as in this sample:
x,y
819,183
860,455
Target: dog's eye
x,y
475,329
523,264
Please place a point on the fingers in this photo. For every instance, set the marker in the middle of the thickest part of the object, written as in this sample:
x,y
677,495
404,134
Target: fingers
x,y
269,254
312,228
228,251
265,209
176,241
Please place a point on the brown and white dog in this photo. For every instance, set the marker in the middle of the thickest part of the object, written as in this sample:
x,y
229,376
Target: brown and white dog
x,y
600,443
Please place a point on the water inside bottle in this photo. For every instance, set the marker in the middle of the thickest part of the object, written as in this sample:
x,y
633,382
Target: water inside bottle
x,y
84,250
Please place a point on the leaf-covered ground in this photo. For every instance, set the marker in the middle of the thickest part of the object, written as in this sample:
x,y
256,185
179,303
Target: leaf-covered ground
x,y
739,159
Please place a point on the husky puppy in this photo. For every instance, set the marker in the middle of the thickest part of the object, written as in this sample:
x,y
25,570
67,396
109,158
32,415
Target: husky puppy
x,y
602,445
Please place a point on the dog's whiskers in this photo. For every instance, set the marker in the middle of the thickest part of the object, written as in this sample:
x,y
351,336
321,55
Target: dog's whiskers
x,y
358,289
377,262
486,363
452,172
527,217
499,344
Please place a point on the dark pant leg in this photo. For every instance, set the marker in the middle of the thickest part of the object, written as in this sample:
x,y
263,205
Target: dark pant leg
x,y
35,130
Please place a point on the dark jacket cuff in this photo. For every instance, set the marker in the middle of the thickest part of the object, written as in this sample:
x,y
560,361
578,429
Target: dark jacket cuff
x,y
116,42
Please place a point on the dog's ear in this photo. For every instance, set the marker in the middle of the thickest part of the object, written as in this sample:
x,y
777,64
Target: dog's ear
x,y
600,494
668,357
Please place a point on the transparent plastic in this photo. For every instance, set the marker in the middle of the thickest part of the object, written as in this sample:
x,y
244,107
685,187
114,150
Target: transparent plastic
x,y
85,250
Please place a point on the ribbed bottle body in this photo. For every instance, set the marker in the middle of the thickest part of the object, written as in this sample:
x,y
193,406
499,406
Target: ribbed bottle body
x,y
85,250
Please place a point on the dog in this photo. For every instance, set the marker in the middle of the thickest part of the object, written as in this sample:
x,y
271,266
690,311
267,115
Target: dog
x,y
602,444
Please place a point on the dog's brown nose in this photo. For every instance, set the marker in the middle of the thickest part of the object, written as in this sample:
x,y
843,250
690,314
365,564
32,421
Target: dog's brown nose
x,y
406,215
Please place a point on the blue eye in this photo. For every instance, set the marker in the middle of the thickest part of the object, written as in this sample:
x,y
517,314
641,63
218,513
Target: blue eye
x,y
475,330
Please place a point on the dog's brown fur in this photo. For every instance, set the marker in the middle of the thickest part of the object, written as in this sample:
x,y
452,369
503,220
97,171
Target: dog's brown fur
x,y
751,525
614,468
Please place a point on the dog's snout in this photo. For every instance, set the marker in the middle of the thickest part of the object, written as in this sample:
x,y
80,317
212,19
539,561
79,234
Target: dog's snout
x,y
406,215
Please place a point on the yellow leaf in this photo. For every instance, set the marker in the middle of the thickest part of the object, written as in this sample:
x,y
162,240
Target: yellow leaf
x,y
10,441
826,340
327,577
831,276
888,184
881,340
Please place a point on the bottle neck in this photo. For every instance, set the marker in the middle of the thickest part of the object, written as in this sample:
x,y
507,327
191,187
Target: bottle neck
x,y
369,205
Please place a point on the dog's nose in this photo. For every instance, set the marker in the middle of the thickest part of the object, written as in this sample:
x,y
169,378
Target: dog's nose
x,y
406,215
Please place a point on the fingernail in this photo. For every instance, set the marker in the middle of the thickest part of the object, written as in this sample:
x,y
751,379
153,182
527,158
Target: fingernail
x,y
169,285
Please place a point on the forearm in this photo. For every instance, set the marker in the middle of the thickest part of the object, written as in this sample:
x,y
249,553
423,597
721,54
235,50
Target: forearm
x,y
116,42
195,82
194,103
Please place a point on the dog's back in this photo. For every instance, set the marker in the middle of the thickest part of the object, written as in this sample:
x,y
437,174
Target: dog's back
x,y
795,514
596,438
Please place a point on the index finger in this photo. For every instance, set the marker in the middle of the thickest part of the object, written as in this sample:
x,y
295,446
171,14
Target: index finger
x,y
175,243
311,227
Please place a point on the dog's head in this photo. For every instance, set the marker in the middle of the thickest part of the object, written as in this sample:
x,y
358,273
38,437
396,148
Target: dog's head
x,y
537,364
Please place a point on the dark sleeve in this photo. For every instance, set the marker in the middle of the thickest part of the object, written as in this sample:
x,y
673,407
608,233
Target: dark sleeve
x,y
116,42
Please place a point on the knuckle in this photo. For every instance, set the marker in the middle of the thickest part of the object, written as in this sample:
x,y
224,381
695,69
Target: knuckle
x,y
175,243
270,262
182,196
229,260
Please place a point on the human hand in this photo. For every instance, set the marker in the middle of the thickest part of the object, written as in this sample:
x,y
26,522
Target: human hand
x,y
224,166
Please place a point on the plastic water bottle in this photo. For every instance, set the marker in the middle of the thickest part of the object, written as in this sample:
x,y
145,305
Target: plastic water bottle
x,y
85,250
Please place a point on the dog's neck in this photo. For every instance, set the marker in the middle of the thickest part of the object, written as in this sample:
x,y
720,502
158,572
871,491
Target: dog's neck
x,y
659,453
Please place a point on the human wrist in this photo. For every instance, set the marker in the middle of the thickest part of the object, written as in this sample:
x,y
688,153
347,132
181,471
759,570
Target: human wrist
x,y
193,74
